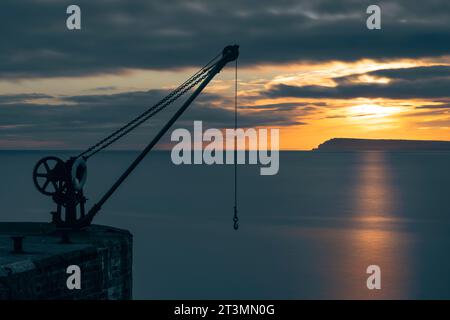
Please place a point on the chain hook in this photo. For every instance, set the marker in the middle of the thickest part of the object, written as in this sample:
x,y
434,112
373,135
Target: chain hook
x,y
235,219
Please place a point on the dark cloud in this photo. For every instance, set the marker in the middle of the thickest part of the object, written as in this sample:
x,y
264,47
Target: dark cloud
x,y
434,72
287,106
434,106
223,118
13,98
80,121
173,34
438,112
421,82
105,88
416,73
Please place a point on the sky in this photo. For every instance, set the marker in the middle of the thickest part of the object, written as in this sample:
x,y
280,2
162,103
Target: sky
x,y
310,68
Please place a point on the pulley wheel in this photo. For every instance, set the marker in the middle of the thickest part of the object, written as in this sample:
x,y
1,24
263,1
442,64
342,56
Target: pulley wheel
x,y
50,176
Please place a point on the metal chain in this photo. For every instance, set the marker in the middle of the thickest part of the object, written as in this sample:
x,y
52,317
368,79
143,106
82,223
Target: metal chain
x,y
170,98
107,141
150,113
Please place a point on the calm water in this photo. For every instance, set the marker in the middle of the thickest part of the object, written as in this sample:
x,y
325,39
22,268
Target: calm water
x,y
309,232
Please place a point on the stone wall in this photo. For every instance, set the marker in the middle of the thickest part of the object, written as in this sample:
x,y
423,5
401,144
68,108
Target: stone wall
x,y
103,254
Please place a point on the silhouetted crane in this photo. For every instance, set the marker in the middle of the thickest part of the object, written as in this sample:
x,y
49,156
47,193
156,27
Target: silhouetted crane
x,y
64,180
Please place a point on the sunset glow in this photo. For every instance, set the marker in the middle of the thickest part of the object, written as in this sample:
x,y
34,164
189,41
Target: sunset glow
x,y
309,100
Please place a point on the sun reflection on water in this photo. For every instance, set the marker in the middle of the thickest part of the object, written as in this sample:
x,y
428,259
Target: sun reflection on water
x,y
375,240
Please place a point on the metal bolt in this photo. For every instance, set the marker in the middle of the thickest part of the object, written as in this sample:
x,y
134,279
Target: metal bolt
x,y
17,244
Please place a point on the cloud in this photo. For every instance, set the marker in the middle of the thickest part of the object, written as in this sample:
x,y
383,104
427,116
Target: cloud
x,y
79,121
22,97
285,106
104,88
436,123
420,82
434,106
416,73
117,35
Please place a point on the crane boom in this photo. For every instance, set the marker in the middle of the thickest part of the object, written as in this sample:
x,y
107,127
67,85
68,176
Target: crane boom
x,y
230,53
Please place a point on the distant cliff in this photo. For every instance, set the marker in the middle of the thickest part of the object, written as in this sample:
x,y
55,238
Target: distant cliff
x,y
347,144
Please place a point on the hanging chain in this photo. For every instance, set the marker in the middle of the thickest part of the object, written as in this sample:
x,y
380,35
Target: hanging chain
x,y
167,100
149,113
235,218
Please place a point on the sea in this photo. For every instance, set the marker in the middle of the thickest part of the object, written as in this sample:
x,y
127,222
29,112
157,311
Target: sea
x,y
309,232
